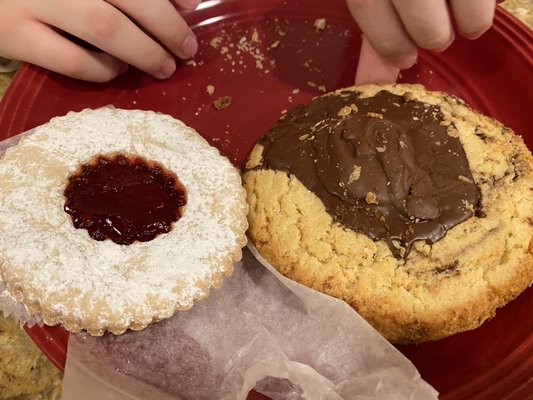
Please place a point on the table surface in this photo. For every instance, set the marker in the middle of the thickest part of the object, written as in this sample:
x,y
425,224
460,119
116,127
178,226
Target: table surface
x,y
25,373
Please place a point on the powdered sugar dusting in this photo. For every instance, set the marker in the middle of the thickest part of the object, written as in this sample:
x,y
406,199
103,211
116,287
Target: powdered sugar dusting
x,y
72,279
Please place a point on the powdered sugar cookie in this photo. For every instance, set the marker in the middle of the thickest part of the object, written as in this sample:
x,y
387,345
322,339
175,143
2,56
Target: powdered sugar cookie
x,y
113,219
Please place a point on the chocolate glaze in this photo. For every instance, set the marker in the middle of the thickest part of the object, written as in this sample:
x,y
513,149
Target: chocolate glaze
x,y
384,166
125,199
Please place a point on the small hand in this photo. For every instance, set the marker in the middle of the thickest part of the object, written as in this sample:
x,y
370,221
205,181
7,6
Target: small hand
x,y
144,34
394,29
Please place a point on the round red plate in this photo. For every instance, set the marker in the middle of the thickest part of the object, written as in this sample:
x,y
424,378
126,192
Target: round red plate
x,y
267,56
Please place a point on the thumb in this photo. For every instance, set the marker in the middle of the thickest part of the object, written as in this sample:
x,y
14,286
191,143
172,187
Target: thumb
x,y
372,68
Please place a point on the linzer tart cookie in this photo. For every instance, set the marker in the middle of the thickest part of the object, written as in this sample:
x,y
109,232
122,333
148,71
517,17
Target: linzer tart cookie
x,y
113,219
407,204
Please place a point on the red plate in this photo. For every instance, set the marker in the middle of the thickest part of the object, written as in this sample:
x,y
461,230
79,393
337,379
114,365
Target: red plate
x,y
493,74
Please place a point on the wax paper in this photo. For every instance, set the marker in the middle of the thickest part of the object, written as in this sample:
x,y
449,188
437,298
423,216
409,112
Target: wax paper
x,y
258,330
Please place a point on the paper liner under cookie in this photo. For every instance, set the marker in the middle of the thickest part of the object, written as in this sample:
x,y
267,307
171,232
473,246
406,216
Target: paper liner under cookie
x,y
259,324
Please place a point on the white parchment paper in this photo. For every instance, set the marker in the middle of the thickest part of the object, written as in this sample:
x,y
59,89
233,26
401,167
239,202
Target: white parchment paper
x,y
258,330
257,325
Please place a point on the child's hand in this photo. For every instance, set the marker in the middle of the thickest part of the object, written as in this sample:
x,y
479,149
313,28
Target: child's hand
x,y
393,29
32,31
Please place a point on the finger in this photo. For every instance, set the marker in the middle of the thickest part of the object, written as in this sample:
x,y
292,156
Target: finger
x,y
163,21
382,27
427,22
188,4
373,68
56,53
104,26
473,17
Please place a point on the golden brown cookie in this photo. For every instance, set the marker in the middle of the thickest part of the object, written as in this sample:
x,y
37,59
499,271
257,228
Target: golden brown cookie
x,y
407,204
113,219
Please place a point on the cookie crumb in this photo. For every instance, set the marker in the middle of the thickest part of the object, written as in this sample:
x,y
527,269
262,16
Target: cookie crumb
x,y
303,137
215,42
467,205
320,24
222,102
452,131
356,173
344,111
274,45
312,84
255,36
371,198
464,179
210,89
374,115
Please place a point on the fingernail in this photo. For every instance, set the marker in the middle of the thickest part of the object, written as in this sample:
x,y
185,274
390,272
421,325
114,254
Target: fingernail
x,y
474,35
405,62
168,68
189,47
446,45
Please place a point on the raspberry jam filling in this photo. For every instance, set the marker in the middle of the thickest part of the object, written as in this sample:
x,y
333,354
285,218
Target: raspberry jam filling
x,y
124,198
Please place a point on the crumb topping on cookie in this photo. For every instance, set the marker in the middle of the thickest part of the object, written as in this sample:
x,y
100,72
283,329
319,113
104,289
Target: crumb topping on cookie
x,y
391,172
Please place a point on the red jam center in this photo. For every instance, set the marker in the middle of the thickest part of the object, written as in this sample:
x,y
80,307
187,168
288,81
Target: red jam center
x,y
124,198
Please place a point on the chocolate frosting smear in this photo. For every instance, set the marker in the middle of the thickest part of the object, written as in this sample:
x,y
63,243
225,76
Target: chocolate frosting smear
x,y
384,165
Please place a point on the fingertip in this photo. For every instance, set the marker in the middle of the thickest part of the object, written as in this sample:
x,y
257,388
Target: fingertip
x,y
384,75
473,18
473,35
105,76
167,69
401,56
188,47
405,61
373,68
445,45
113,67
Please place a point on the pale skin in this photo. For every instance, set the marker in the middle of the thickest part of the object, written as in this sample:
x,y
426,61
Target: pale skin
x,y
393,30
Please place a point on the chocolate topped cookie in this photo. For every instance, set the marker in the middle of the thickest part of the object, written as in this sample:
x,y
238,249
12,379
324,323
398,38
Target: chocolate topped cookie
x,y
400,201
383,165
